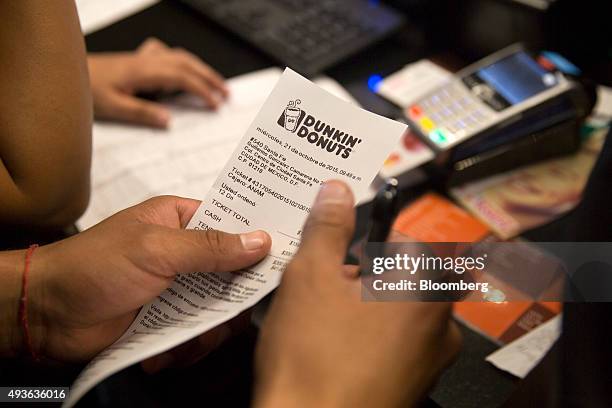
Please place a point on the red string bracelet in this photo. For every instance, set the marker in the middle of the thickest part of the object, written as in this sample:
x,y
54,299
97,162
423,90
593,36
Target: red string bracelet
x,y
23,303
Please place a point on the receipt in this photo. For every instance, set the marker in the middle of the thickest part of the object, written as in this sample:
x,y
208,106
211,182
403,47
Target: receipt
x,y
301,137
524,353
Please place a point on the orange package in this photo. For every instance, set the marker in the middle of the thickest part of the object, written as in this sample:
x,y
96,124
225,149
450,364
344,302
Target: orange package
x,y
433,218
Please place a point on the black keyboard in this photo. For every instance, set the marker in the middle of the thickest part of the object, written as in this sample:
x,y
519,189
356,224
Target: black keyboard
x,y
306,35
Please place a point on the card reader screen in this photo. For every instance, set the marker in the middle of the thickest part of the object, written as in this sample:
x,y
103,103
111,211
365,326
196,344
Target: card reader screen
x,y
510,80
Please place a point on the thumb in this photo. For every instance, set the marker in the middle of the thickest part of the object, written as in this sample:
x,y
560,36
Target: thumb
x,y
188,251
139,111
330,226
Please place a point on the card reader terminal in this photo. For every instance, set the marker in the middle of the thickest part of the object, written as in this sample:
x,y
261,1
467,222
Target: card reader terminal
x,y
490,93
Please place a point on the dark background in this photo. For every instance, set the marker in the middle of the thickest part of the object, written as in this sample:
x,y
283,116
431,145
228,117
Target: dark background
x,y
451,33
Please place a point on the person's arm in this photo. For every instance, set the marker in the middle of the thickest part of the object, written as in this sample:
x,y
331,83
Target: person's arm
x,y
10,291
322,345
45,114
118,77
83,292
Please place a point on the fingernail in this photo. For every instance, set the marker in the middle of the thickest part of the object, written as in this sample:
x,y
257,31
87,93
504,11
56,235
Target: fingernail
x,y
334,193
253,240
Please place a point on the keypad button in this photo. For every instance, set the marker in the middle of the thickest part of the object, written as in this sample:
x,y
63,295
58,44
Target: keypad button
x,y
454,111
445,112
457,106
415,112
480,115
426,124
470,122
438,136
475,118
460,124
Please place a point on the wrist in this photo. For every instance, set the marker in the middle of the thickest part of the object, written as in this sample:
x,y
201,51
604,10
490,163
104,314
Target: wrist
x,y
289,398
12,269
331,393
292,394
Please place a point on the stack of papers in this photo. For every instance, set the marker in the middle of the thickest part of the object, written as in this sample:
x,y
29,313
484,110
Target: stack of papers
x,y
132,163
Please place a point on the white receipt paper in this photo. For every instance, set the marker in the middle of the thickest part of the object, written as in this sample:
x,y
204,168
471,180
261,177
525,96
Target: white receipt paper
x,y
524,353
301,137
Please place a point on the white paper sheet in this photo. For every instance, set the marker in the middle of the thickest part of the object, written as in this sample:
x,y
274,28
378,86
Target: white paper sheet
x,y
132,163
413,81
97,14
523,354
301,137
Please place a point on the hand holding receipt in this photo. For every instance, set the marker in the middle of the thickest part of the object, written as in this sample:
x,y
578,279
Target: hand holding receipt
x,y
269,183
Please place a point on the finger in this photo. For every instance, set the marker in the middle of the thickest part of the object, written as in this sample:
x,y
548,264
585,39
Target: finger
x,y
188,251
168,211
179,78
152,45
204,71
175,76
330,225
138,111
186,207
196,86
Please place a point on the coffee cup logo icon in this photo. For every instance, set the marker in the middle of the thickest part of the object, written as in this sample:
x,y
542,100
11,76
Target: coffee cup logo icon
x,y
292,115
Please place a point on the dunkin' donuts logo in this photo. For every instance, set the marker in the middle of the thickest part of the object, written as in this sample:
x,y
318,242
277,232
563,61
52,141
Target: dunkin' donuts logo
x,y
317,132
292,116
